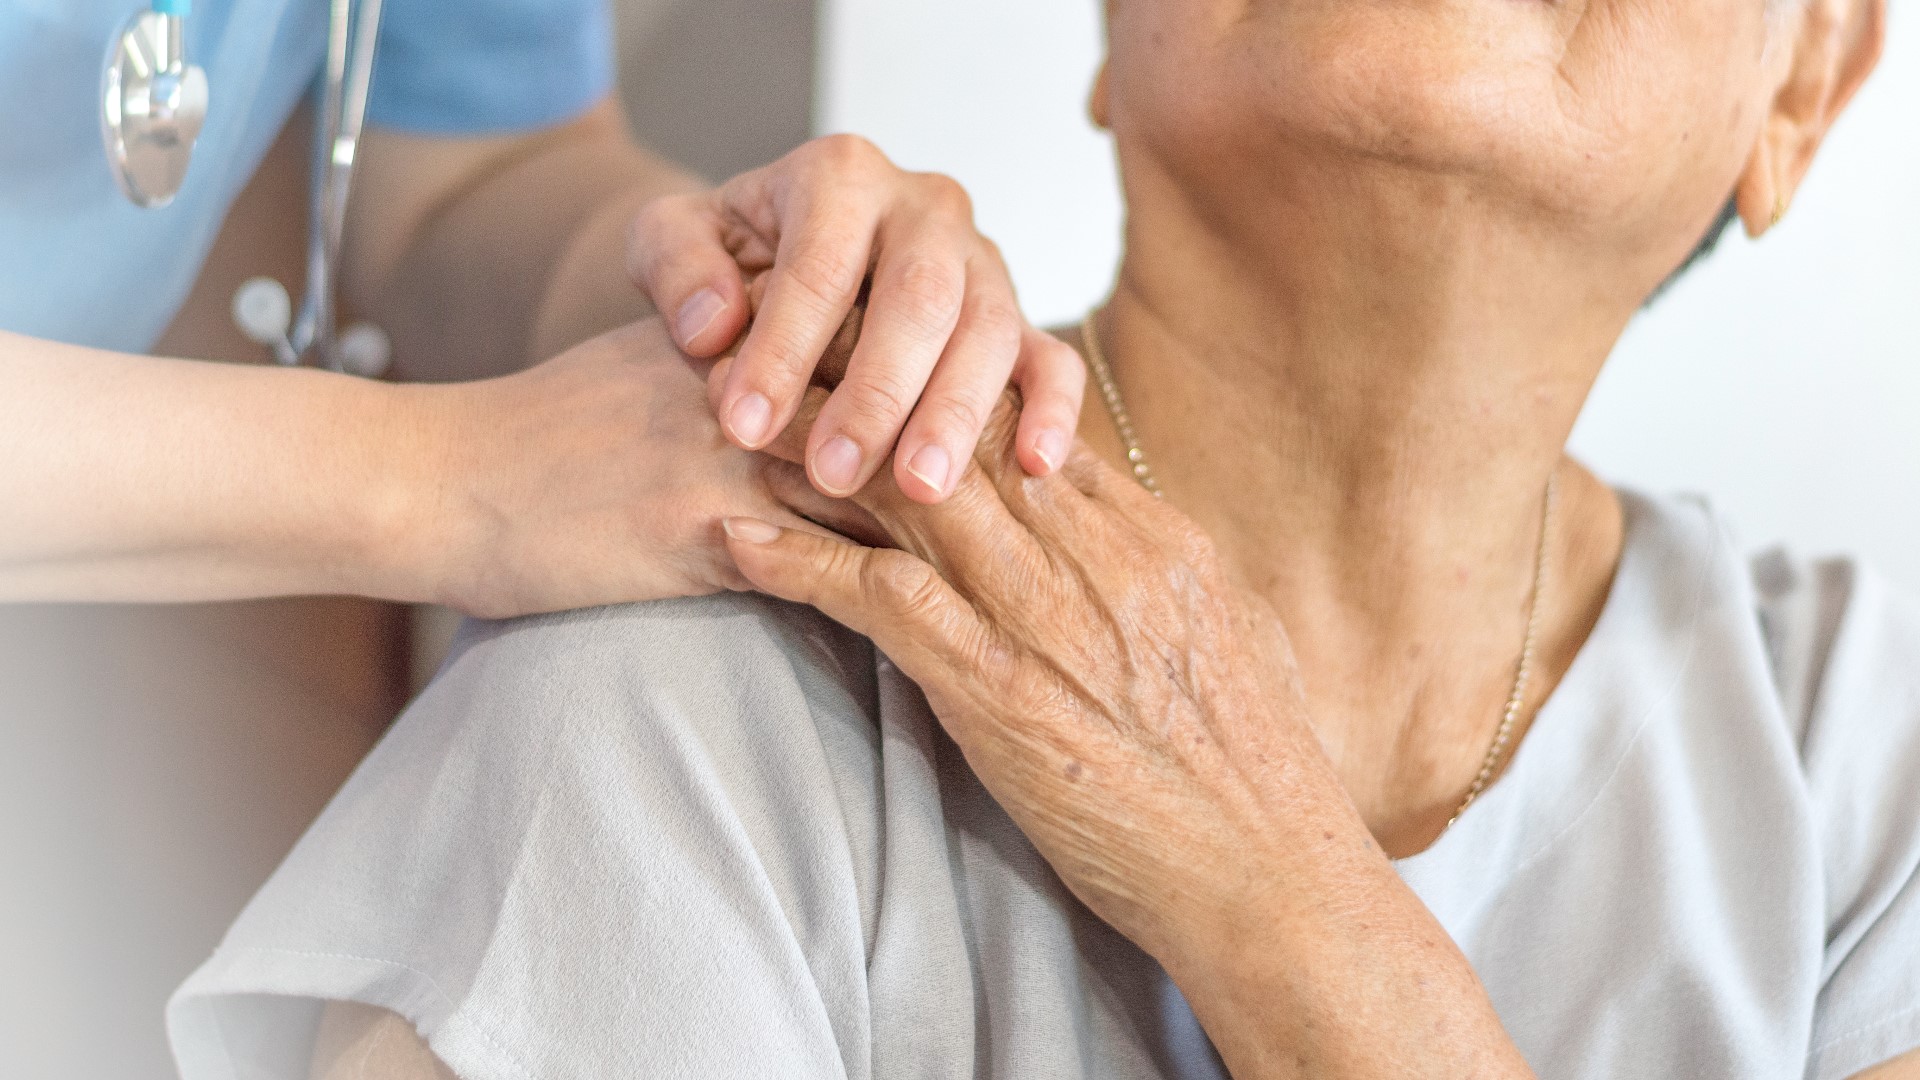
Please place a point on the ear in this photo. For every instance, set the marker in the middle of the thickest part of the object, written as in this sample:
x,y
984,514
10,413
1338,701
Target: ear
x,y
1835,46
1097,105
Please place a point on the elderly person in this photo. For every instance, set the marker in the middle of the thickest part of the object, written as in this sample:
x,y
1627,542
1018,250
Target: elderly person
x,y
1389,743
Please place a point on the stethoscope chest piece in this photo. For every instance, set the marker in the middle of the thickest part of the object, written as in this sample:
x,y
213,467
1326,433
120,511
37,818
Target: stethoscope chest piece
x,y
153,105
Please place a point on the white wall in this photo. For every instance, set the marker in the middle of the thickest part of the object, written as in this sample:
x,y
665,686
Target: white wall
x,y
1783,378
992,92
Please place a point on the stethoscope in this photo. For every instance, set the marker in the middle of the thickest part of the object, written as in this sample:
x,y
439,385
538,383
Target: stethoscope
x,y
153,103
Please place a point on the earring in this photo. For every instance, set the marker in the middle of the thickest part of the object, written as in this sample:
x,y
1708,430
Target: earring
x,y
1779,210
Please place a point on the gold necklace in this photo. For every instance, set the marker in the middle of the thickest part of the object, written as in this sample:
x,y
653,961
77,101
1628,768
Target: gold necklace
x,y
1503,735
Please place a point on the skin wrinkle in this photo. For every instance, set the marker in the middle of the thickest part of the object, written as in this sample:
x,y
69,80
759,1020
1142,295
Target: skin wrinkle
x,y
1379,252
1393,357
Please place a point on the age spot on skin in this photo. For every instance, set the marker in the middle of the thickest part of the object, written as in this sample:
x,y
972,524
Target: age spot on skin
x,y
1073,770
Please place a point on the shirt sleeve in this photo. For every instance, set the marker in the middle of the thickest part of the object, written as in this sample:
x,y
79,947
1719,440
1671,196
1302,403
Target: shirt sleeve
x,y
489,66
1851,646
593,848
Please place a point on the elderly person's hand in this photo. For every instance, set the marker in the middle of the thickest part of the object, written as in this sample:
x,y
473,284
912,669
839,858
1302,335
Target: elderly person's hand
x,y
944,337
1138,715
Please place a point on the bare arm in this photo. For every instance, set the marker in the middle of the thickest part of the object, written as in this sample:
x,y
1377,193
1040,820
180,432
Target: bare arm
x,y
1905,1067
129,478
360,1042
133,479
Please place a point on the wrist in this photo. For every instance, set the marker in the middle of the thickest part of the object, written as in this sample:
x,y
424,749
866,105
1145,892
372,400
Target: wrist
x,y
1323,963
1342,976
401,532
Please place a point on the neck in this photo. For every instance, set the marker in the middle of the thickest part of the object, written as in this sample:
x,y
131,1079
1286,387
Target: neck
x,y
1367,431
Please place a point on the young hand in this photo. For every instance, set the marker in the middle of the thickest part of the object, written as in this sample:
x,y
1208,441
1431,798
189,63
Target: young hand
x,y
598,477
943,337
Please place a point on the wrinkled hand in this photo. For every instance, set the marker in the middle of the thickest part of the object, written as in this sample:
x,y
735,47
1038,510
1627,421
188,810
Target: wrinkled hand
x,y
944,336
598,477
1134,712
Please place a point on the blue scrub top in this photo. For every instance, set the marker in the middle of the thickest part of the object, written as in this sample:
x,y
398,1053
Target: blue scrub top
x,y
79,263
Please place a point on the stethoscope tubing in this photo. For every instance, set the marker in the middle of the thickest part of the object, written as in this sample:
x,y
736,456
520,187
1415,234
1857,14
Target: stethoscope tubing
x,y
353,32
351,41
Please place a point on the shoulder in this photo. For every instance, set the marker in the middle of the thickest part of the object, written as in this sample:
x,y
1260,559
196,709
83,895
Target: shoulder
x,y
645,727
1833,632
1820,655
763,705
694,662
1844,647
673,800
1842,641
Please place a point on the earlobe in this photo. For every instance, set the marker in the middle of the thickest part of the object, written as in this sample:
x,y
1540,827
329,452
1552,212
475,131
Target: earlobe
x,y
1760,198
1097,107
1839,44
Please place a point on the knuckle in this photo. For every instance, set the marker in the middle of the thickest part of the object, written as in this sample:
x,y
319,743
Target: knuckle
x,y
908,587
989,654
657,217
643,238
946,196
1196,549
746,183
827,274
997,320
662,236
651,216
781,360
877,400
927,294
953,414
846,153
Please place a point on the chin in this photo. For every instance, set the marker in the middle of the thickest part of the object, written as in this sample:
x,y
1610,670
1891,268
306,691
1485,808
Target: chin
x,y
1490,99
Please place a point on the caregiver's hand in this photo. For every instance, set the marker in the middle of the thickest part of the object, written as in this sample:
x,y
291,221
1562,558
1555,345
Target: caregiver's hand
x,y
1139,718
597,477
944,330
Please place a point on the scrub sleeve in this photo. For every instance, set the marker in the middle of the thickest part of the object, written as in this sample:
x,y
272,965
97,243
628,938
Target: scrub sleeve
x,y
490,66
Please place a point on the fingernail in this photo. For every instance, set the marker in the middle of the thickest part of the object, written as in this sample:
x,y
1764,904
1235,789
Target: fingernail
x,y
697,314
1050,446
749,419
837,465
750,530
931,464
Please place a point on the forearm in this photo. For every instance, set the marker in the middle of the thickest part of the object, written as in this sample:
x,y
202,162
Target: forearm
x,y
133,479
1335,969
482,256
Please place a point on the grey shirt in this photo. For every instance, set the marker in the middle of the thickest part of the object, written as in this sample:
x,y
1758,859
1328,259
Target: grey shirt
x,y
724,838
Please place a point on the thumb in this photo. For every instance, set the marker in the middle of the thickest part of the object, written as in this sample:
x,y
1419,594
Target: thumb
x,y
889,596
